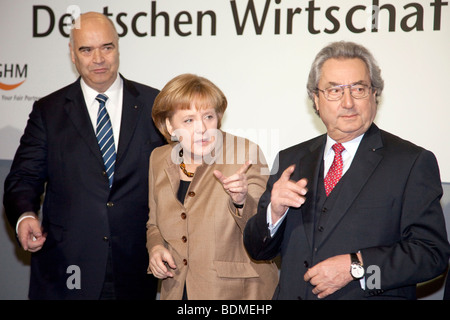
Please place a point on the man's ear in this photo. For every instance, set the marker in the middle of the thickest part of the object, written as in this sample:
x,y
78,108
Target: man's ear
x,y
316,102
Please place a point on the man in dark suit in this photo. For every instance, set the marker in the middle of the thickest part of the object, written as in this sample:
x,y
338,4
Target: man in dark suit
x,y
91,242
381,229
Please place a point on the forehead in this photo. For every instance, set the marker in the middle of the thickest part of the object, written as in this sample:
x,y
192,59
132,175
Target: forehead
x,y
94,30
194,108
344,71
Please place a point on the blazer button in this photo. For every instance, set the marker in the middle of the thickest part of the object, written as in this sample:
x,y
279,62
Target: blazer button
x,y
184,239
185,262
106,239
320,228
110,204
104,173
306,264
191,194
183,216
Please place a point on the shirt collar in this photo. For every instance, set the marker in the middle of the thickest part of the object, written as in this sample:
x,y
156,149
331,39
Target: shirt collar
x,y
90,94
350,146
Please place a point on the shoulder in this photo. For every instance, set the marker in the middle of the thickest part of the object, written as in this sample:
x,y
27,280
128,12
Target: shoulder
x,y
162,153
407,153
302,148
60,94
241,148
401,145
403,150
231,140
139,88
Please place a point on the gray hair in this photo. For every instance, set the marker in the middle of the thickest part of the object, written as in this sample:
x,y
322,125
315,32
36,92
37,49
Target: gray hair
x,y
343,50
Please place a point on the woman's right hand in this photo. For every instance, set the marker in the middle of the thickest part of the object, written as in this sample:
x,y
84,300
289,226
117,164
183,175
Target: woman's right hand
x,y
160,262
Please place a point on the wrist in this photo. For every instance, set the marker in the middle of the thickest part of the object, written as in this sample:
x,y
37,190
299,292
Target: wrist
x,y
356,267
23,217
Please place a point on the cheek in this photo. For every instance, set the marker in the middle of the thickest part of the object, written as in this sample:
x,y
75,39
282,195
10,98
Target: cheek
x,y
115,62
370,111
213,124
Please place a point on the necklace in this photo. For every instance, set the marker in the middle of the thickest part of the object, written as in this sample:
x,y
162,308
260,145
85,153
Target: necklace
x,y
183,166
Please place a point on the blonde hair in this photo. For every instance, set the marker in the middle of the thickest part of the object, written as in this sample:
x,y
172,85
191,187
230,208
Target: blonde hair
x,y
179,94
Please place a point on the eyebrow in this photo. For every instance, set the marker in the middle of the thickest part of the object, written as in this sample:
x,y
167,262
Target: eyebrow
x,y
333,84
103,45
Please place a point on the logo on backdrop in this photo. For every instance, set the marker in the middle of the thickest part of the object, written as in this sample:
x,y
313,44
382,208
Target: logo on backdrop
x,y
12,75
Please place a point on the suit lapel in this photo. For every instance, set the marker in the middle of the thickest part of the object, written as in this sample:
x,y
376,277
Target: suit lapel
x,y
364,163
309,167
131,111
173,175
76,109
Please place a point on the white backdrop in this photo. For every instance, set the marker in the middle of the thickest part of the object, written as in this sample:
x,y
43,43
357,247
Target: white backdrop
x,y
260,63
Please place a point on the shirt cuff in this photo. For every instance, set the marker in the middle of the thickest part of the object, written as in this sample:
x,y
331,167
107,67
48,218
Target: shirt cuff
x,y
24,216
273,227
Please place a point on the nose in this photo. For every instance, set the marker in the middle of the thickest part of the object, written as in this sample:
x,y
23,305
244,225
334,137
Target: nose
x,y
97,56
347,100
201,126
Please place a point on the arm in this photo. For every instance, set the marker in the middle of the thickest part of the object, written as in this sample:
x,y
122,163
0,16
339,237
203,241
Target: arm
x,y
160,259
423,251
24,185
281,193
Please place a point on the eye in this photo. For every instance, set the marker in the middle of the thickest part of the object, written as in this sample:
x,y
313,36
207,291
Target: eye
x,y
85,50
358,88
334,90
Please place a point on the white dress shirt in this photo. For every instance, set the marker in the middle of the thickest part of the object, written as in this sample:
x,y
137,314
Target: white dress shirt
x,y
113,105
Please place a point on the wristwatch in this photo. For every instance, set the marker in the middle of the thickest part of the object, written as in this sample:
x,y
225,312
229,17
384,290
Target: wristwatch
x,y
356,268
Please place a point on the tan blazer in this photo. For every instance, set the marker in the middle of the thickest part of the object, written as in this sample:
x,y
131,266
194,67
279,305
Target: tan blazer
x,y
204,235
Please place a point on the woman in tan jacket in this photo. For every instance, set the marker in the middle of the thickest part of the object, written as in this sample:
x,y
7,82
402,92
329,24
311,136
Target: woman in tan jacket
x,y
204,186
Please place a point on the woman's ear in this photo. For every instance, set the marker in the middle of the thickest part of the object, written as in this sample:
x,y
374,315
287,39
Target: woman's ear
x,y
169,126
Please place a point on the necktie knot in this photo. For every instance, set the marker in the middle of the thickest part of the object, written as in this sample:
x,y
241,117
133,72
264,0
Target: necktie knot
x,y
338,148
101,98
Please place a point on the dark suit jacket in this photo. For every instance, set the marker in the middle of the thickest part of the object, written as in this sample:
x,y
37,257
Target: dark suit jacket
x,y
59,154
387,205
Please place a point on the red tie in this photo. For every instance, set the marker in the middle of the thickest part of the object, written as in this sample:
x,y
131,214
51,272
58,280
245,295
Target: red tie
x,y
335,172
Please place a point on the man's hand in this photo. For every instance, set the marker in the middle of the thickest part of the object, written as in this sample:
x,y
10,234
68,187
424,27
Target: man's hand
x,y
29,233
287,193
329,275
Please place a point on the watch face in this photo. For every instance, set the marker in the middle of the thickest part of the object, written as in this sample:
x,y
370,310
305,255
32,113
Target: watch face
x,y
357,271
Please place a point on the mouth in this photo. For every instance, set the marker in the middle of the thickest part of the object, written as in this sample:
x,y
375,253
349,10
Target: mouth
x,y
349,116
203,142
100,70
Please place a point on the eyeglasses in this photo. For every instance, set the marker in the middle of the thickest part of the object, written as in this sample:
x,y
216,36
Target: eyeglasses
x,y
357,91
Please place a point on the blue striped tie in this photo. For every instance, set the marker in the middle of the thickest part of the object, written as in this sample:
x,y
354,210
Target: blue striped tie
x,y
105,138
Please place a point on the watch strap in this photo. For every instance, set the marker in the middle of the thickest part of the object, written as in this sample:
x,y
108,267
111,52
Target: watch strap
x,y
354,258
